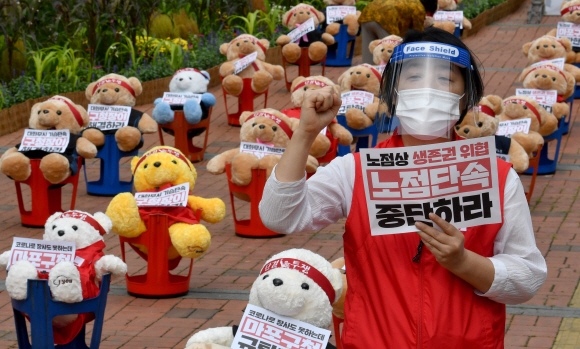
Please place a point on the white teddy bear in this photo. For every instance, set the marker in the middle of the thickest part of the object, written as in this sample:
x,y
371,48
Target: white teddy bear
x,y
184,80
69,282
281,287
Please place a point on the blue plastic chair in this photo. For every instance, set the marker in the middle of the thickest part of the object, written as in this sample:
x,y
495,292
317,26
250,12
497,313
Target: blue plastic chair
x,y
41,309
340,55
109,183
457,31
547,165
577,89
363,137
565,125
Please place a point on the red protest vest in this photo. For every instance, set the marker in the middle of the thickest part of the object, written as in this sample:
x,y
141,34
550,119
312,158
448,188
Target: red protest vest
x,y
393,302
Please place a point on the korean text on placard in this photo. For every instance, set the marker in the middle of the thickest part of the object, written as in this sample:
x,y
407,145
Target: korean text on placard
x,y
173,196
508,128
174,98
108,117
51,141
569,30
244,62
260,149
302,30
453,16
261,328
337,13
457,181
43,254
355,99
545,98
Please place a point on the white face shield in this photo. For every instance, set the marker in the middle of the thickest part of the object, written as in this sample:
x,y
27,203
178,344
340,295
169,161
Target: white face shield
x,y
426,89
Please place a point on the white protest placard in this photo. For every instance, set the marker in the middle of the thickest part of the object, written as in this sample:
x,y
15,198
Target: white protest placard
x,y
302,30
260,328
545,98
244,62
453,16
175,98
337,13
260,149
508,128
173,196
457,181
52,141
569,30
355,99
559,62
108,117
42,254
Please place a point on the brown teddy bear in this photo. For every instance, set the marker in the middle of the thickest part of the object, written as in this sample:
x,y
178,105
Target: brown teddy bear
x,y
114,89
350,20
363,77
316,41
267,127
542,122
382,49
570,11
334,130
484,123
338,306
261,73
547,47
56,113
451,5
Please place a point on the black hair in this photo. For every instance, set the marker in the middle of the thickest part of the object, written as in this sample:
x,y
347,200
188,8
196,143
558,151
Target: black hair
x,y
472,78
430,6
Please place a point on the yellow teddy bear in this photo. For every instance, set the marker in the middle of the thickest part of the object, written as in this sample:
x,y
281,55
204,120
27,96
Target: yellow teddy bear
x,y
158,169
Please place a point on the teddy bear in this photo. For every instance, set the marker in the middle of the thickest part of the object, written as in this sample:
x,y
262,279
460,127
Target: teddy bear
x,y
382,49
542,122
451,5
160,168
350,20
69,281
56,113
117,90
186,80
547,48
261,73
363,77
334,130
482,122
296,283
316,41
570,11
338,306
268,127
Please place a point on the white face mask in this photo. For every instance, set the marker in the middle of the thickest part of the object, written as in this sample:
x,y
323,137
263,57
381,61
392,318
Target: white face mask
x,y
427,113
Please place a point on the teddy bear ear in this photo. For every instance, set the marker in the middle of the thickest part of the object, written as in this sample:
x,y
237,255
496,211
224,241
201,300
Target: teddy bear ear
x,y
524,73
206,74
134,162
89,90
296,81
52,218
319,15
136,85
286,16
265,43
526,48
496,102
104,221
244,116
224,48
34,114
373,45
570,81
566,43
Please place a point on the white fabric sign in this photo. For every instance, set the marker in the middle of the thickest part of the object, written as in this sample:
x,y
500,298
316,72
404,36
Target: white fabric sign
x,y
508,128
260,149
174,98
453,16
52,141
245,62
457,181
545,98
108,117
355,99
569,30
337,13
42,254
173,196
302,30
260,328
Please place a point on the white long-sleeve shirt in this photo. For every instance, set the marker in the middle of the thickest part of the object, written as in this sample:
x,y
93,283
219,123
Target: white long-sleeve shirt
x,y
520,268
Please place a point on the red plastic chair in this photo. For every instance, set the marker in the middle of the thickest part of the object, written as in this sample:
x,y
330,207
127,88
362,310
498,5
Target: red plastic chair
x,y
331,153
157,282
46,198
245,101
180,128
303,63
535,164
253,227
337,331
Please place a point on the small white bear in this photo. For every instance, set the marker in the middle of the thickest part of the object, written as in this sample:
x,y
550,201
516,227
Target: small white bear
x,y
303,293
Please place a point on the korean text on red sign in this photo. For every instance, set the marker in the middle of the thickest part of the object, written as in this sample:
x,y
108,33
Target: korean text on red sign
x,y
244,62
174,98
355,99
173,196
302,30
42,254
260,149
108,117
456,180
569,30
261,328
453,16
337,13
508,128
545,98
51,141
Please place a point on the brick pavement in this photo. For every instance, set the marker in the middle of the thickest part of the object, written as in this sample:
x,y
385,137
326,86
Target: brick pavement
x,y
221,279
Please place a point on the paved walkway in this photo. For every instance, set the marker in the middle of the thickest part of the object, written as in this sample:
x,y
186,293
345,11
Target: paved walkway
x,y
222,278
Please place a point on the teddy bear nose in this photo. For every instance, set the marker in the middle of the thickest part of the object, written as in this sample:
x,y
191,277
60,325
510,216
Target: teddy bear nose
x,y
466,131
157,164
277,282
262,127
60,233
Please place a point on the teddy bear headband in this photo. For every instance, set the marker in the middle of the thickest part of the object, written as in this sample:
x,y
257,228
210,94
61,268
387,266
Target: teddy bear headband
x,y
306,269
161,150
486,110
526,104
84,217
391,41
190,69
570,9
251,38
72,108
117,82
299,8
310,82
276,119
546,66
373,69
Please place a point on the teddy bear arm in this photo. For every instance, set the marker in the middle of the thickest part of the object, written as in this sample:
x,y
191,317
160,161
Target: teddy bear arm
x,y
332,28
276,71
328,39
529,141
217,335
357,119
213,210
17,279
227,68
217,165
311,164
124,215
4,259
110,264
320,146
572,69
268,162
338,131
147,124
372,109
518,157
283,40
86,149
